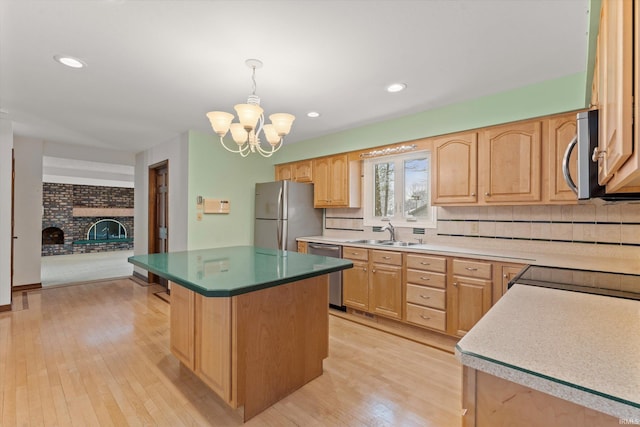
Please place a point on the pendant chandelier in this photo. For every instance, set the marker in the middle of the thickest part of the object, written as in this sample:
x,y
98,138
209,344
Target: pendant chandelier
x,y
246,133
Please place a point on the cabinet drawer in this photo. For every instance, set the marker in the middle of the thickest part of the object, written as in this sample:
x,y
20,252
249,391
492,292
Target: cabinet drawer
x,y
437,280
355,253
422,295
425,262
424,316
386,257
481,270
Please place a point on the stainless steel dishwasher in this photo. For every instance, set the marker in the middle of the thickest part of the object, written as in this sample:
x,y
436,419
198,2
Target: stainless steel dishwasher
x,y
335,279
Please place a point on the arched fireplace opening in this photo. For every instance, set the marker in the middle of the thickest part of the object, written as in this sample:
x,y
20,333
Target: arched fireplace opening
x,y
107,229
52,236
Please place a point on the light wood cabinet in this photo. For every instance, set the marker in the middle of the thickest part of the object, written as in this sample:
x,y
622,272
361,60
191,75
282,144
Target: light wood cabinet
x,y
182,325
616,75
470,294
386,290
615,62
455,169
374,284
426,291
284,172
337,182
301,171
561,131
510,162
213,343
302,247
504,273
355,281
490,401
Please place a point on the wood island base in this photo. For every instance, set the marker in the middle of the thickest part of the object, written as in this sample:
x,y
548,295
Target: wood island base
x,y
489,401
255,348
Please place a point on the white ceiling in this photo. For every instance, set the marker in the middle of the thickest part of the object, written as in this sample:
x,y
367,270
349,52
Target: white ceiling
x,y
154,68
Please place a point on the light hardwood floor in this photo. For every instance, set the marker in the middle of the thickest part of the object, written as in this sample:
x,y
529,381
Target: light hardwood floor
x,y
98,354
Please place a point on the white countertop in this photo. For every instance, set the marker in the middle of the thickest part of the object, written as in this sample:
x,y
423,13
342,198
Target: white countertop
x,y
629,265
579,347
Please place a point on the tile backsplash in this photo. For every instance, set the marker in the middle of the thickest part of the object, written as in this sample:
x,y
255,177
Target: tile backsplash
x,y
584,224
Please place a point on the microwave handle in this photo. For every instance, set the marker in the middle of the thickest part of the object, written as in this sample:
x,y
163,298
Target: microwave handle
x,y
565,165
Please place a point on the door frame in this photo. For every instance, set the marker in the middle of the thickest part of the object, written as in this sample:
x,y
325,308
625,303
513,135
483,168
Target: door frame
x,y
13,204
153,229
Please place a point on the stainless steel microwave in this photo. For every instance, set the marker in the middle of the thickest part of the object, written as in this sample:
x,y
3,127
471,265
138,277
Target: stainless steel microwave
x,y
586,185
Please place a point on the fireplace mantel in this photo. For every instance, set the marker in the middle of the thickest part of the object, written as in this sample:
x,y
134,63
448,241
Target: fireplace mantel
x,y
97,212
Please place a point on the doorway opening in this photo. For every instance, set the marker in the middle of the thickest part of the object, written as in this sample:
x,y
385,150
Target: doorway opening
x,y
159,214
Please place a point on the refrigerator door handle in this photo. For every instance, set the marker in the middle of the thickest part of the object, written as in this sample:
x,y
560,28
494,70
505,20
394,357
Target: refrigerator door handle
x,y
279,221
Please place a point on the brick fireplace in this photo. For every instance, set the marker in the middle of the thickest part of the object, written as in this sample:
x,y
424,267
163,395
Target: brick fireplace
x,y
71,211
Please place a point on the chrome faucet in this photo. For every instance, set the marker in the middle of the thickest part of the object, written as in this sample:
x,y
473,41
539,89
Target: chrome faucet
x,y
392,231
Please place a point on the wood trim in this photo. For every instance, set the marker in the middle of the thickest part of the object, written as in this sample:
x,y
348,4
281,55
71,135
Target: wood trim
x,y
151,212
27,287
6,307
89,212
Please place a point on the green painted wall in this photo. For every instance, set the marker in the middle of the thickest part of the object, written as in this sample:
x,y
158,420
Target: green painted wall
x,y
549,97
217,173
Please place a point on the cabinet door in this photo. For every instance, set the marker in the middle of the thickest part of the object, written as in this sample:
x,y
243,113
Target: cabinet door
x,y
213,344
321,189
615,141
302,171
505,273
561,131
471,300
283,172
339,180
455,169
355,286
182,319
386,290
302,247
510,158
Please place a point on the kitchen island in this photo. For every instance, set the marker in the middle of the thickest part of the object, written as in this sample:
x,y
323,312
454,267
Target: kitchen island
x,y
251,323
551,357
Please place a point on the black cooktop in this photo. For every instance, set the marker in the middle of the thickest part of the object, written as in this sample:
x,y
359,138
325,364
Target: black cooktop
x,y
587,281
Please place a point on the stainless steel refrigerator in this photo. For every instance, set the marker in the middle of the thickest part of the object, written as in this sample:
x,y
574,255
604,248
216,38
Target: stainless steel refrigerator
x,y
284,212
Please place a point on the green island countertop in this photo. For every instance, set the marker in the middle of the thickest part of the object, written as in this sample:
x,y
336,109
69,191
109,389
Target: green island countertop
x,y
235,270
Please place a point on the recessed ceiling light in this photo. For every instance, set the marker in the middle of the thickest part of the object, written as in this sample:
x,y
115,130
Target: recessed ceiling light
x,y
313,114
69,61
396,87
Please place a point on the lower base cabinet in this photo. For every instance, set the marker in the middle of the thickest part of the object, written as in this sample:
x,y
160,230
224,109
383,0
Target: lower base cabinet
x,y
355,286
386,290
489,401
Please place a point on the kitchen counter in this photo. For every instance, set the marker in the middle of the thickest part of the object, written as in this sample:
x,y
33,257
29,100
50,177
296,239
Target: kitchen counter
x,y
578,347
235,270
251,323
628,265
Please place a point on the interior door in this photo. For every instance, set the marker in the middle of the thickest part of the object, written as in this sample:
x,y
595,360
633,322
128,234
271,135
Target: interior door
x,y
158,213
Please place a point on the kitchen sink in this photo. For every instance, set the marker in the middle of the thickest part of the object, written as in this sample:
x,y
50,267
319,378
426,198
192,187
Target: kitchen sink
x,y
370,242
383,242
400,243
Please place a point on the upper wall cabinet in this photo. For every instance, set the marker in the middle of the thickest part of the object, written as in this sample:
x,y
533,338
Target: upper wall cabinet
x,y
301,171
560,131
337,182
617,69
455,164
510,163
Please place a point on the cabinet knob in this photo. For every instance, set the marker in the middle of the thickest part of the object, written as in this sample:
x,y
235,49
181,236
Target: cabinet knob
x,y
355,253
455,283
373,271
425,278
487,194
425,317
473,194
505,276
364,269
424,263
471,268
425,297
386,257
